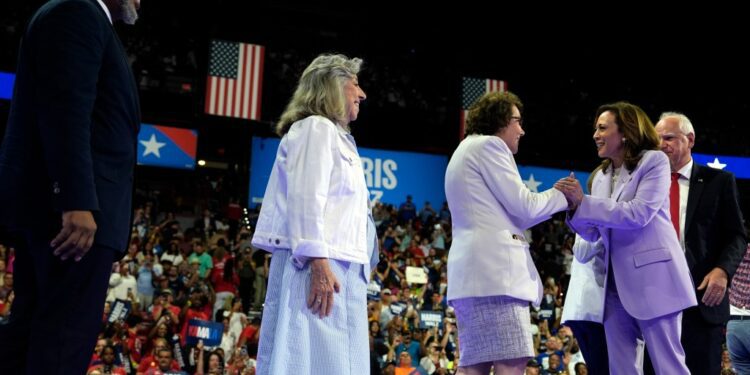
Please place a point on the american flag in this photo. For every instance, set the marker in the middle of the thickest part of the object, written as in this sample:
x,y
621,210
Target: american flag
x,y
473,89
235,80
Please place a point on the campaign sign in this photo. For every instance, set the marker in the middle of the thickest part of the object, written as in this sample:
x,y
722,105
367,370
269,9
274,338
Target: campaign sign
x,y
416,275
373,291
390,175
119,310
209,332
429,319
397,308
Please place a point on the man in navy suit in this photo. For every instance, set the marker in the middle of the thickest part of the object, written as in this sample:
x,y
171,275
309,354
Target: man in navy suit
x,y
708,221
66,177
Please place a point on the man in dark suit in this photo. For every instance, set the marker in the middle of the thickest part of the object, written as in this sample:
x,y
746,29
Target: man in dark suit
x,y
707,217
66,175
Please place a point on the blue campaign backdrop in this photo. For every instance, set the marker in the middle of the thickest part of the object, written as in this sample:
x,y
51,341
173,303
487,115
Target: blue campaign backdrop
x,y
165,146
6,85
390,175
539,179
737,165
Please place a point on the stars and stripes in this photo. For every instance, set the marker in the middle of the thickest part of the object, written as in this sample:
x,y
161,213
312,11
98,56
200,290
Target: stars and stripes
x,y
235,80
473,89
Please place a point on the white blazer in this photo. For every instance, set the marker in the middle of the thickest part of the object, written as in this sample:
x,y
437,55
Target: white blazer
x,y
316,199
587,281
491,207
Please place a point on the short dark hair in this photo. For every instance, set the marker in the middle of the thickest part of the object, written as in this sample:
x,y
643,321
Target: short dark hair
x,y
492,112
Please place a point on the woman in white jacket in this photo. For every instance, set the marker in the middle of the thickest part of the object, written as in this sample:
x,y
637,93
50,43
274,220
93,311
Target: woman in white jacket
x,y
491,275
315,221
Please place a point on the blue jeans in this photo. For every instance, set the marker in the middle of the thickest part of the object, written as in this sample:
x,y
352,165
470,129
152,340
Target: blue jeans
x,y
738,344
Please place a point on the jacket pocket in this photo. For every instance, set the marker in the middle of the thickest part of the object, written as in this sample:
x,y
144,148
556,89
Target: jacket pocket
x,y
651,256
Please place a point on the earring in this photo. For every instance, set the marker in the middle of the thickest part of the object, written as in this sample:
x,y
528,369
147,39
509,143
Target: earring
x,y
624,139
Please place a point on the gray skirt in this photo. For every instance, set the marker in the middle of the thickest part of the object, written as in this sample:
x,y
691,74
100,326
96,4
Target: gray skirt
x,y
493,328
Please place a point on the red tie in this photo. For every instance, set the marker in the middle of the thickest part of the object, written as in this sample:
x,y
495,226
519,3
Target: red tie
x,y
674,202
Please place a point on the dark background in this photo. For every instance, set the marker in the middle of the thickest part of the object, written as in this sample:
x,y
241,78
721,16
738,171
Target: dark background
x,y
561,61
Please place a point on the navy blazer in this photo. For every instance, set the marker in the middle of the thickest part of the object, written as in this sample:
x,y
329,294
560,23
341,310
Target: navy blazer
x,y
714,232
70,143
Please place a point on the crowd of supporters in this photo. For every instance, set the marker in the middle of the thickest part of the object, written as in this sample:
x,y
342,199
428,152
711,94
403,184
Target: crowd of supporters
x,y
183,267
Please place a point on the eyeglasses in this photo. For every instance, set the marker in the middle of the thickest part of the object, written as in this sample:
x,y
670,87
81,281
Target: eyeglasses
x,y
517,118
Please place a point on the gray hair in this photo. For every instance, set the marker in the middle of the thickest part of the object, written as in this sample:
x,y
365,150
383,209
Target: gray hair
x,y
320,91
686,127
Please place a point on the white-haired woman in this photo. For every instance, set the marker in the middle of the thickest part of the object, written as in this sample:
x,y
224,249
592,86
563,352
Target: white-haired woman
x,y
315,220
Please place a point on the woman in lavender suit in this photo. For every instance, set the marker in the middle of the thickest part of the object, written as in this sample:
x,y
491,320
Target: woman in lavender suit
x,y
647,279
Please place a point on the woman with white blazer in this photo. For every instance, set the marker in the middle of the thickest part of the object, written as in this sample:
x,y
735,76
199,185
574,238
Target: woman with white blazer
x,y
647,282
315,220
491,275
582,310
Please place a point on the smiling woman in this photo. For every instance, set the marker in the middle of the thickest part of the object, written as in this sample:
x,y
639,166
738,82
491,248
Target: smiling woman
x,y
492,276
315,220
627,215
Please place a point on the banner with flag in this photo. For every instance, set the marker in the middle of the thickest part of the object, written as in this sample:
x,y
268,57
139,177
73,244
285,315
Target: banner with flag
x,y
235,80
472,90
165,146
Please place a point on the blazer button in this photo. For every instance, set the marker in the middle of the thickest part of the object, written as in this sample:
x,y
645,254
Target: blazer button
x,y
56,188
277,241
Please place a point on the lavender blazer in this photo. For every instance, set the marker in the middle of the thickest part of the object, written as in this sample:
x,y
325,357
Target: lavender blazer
x,y
640,242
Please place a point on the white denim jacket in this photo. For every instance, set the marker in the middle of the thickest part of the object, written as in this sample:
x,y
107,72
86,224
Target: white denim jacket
x,y
316,199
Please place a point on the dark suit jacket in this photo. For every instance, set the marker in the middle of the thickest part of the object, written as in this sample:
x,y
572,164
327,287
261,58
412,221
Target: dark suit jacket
x,y
714,231
70,143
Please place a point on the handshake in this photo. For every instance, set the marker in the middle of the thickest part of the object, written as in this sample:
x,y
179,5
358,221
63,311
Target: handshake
x,y
572,190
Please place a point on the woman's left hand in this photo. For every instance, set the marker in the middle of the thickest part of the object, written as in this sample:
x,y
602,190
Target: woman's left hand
x,y
323,284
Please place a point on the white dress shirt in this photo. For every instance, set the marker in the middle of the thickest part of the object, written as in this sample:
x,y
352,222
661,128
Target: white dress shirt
x,y
684,182
106,10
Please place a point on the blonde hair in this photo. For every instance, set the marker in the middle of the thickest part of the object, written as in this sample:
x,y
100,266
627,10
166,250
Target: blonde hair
x,y
320,91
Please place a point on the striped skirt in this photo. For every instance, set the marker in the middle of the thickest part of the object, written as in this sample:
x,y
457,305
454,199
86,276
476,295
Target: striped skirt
x,y
294,341
493,329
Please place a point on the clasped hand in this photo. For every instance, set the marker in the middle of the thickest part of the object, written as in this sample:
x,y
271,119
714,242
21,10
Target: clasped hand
x,y
572,190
